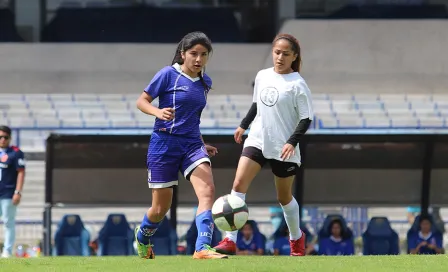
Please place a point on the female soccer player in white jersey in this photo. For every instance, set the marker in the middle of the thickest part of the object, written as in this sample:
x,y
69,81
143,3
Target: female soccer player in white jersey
x,y
280,114
176,143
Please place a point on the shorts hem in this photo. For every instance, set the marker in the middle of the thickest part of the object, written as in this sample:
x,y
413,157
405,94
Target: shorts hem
x,y
159,185
194,165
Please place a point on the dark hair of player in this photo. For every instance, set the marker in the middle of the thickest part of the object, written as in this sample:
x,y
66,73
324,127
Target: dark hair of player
x,y
6,130
338,222
189,41
425,218
295,47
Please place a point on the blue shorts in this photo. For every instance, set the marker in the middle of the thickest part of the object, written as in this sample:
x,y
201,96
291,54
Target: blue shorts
x,y
168,154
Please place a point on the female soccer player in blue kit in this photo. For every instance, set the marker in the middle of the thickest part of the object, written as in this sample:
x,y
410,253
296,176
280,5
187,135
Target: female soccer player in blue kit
x,y
176,143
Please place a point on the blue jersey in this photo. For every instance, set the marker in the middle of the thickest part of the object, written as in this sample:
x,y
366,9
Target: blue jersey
x,y
282,245
331,247
186,95
253,244
11,162
417,238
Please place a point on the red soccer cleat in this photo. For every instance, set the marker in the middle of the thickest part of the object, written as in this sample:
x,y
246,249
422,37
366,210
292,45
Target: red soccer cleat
x,y
298,246
226,246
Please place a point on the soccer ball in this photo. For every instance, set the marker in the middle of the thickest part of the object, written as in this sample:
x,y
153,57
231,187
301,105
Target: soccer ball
x,y
230,213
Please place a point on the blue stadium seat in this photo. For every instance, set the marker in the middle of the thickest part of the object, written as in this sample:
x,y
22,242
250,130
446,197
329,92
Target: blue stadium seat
x,y
116,237
71,238
165,239
379,238
192,235
256,232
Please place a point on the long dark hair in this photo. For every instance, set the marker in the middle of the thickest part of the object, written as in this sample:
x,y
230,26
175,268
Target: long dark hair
x,y
295,65
188,42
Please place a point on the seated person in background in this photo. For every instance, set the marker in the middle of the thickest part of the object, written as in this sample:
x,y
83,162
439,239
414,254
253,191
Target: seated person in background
x,y
336,244
424,241
281,244
250,243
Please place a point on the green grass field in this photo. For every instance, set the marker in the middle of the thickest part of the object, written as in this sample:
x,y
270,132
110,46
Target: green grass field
x,y
404,263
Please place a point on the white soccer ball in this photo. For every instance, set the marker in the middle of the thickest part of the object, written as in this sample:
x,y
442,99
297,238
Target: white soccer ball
x,y
230,213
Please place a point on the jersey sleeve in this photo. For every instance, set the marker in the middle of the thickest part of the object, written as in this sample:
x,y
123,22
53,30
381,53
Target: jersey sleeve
x,y
256,86
158,84
439,241
303,101
259,242
20,161
412,242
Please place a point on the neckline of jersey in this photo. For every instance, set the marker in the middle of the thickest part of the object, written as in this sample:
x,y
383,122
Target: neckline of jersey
x,y
178,68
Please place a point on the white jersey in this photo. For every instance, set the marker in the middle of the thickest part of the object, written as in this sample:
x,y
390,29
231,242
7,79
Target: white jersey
x,y
282,101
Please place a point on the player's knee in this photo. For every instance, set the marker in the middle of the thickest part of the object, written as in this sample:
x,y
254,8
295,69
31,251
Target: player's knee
x,y
284,199
240,185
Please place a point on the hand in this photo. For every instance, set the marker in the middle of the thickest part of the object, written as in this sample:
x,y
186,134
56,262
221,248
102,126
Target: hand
x,y
432,246
288,151
211,150
166,114
239,135
422,244
16,199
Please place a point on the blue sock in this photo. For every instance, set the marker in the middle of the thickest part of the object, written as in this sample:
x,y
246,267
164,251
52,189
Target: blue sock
x,y
147,229
204,223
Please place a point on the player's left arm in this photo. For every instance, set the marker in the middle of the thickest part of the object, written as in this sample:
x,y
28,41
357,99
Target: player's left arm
x,y
20,168
438,247
350,249
304,109
260,245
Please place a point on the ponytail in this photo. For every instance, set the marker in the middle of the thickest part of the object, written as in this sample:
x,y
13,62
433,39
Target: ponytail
x,y
207,88
178,55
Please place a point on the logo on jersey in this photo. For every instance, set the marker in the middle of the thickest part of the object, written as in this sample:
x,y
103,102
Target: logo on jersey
x,y
4,158
21,162
269,96
183,88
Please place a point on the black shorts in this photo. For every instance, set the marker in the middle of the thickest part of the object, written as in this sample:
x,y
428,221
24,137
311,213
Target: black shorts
x,y
279,168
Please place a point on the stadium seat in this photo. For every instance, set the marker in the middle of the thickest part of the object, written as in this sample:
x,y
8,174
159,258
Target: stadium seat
x,y
192,234
116,237
165,239
71,238
380,238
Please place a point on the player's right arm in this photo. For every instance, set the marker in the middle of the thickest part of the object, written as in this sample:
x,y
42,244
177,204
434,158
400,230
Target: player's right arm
x,y
144,104
156,88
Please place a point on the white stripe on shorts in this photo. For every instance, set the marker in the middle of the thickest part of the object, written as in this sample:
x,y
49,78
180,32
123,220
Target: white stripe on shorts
x,y
159,185
194,165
